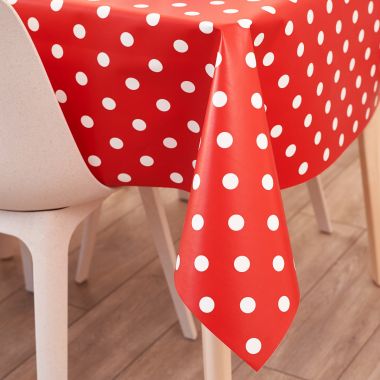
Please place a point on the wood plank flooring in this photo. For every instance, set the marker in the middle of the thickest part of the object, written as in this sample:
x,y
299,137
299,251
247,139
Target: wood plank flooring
x,y
123,325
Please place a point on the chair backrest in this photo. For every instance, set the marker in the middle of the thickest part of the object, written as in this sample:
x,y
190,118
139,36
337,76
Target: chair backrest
x,y
40,165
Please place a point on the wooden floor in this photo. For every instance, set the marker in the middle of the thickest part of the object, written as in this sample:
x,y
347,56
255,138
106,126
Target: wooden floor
x,y
123,326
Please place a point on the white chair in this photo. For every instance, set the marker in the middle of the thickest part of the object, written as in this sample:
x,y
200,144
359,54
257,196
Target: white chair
x,y
46,190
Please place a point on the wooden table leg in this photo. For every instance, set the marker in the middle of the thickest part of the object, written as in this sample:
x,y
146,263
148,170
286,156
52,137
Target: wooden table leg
x,y
216,357
369,143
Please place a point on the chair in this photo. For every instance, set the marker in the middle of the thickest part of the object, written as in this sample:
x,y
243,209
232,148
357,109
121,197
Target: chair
x,y
46,188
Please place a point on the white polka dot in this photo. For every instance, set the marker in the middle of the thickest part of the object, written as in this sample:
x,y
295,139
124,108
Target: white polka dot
x,y
109,104
61,96
257,100
242,264
94,161
197,222
201,263
317,138
253,346
300,49
188,87
79,31
193,126
210,70
291,150
170,142
127,39
297,101
321,37
132,84
326,154
146,161
141,6
267,182
310,16
284,304
219,99
207,304
236,222
310,70
329,6
196,182
139,124
87,121
276,131
153,19
230,181
308,120
177,262
303,168
328,107
278,263
338,26
57,51
250,60
176,177
283,81
124,177
206,27
103,11
103,59
230,11
56,5
341,139
262,141
259,39
81,78
180,46
33,24
355,16
245,23
273,223
116,143
219,59
268,59
163,105
155,65
319,88
224,140
289,28
247,305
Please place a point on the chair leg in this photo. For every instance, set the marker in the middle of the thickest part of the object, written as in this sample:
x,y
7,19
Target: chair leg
x,y
216,357
319,205
27,266
47,235
164,244
183,195
370,163
50,269
87,247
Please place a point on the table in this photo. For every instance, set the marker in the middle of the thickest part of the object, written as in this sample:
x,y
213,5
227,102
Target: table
x,y
234,99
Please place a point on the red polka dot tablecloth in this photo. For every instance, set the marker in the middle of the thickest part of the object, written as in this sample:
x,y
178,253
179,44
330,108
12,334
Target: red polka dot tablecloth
x,y
235,99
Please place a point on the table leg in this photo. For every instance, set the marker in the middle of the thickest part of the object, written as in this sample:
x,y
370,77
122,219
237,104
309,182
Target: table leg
x,y
216,357
369,143
318,201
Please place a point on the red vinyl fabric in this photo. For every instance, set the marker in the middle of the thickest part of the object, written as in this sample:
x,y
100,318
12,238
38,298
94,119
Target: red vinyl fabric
x,y
232,99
